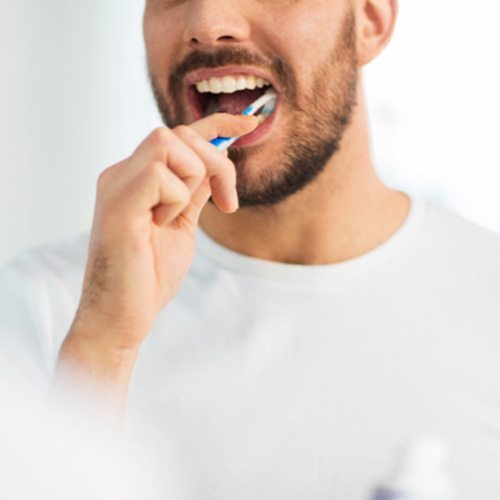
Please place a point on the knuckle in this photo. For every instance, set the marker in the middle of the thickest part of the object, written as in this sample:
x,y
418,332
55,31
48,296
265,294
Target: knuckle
x,y
156,170
104,176
183,129
186,132
160,135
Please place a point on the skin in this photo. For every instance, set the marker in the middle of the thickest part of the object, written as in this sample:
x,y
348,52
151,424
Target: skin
x,y
328,212
149,205
310,123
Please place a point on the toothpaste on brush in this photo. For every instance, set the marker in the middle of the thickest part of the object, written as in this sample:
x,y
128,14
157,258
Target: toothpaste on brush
x,y
266,103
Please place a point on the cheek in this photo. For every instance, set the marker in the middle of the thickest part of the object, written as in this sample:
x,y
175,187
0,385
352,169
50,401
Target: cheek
x,y
305,36
161,42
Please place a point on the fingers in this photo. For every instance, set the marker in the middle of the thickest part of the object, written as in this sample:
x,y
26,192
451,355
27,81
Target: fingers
x,y
155,146
224,125
219,169
192,158
198,200
163,143
179,160
129,200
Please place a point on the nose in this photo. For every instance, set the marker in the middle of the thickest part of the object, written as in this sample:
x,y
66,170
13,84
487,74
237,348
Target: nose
x,y
213,23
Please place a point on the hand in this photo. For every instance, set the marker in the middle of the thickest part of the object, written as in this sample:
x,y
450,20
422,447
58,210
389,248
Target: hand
x,y
143,232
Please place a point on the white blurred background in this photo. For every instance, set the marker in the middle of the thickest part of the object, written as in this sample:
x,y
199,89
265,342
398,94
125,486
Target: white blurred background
x,y
74,99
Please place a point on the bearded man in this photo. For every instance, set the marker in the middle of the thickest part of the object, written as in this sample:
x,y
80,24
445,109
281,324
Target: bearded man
x,y
285,318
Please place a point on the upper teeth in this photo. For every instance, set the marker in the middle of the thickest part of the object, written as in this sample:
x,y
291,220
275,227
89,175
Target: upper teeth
x,y
230,84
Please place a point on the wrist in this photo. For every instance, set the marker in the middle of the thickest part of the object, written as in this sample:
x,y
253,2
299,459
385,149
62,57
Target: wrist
x,y
92,359
91,381
93,331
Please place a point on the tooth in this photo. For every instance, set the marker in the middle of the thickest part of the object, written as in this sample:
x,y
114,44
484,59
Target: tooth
x,y
229,84
250,82
215,85
202,86
241,83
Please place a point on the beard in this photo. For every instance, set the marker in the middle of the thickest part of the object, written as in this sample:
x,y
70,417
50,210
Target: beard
x,y
314,132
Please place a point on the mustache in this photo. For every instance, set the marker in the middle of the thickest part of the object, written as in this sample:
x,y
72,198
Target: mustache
x,y
227,56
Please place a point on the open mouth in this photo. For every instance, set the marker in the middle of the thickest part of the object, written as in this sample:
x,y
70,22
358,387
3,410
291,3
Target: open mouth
x,y
227,94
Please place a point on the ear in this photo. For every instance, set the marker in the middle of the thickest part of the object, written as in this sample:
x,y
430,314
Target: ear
x,y
375,24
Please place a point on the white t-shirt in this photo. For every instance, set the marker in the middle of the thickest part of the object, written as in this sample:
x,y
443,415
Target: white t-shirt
x,y
279,381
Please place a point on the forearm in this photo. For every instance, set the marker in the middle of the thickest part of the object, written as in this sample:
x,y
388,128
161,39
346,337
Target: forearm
x,y
90,366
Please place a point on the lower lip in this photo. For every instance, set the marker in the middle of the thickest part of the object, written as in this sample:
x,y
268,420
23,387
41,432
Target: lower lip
x,y
261,133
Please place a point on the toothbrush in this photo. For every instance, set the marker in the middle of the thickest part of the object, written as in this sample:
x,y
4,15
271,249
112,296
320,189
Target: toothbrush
x,y
266,102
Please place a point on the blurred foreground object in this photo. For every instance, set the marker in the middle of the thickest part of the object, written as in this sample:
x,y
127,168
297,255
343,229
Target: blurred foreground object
x,y
420,473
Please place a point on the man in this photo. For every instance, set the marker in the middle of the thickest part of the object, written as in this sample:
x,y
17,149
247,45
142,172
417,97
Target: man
x,y
282,317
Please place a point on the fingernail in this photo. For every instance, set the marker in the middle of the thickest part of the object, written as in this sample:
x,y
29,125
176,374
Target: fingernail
x,y
261,119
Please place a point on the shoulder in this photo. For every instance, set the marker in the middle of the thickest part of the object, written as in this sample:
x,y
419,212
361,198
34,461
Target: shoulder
x,y
455,225
454,236
62,259
457,260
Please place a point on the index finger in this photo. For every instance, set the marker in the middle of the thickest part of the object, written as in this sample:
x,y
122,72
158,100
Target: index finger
x,y
224,125
155,146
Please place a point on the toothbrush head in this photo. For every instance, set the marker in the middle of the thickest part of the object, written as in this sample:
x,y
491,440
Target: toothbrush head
x,y
263,107
269,107
265,104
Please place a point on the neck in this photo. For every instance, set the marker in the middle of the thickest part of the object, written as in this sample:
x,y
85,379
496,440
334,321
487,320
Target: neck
x,y
344,213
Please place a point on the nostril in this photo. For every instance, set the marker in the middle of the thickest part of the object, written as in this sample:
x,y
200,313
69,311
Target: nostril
x,y
224,38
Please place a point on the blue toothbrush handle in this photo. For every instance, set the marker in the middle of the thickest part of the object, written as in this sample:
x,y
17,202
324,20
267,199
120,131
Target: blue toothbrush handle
x,y
222,143
219,141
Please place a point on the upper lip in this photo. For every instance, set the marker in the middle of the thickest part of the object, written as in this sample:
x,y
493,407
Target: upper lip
x,y
202,74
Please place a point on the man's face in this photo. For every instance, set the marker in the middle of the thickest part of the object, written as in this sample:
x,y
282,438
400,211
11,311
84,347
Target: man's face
x,y
304,48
